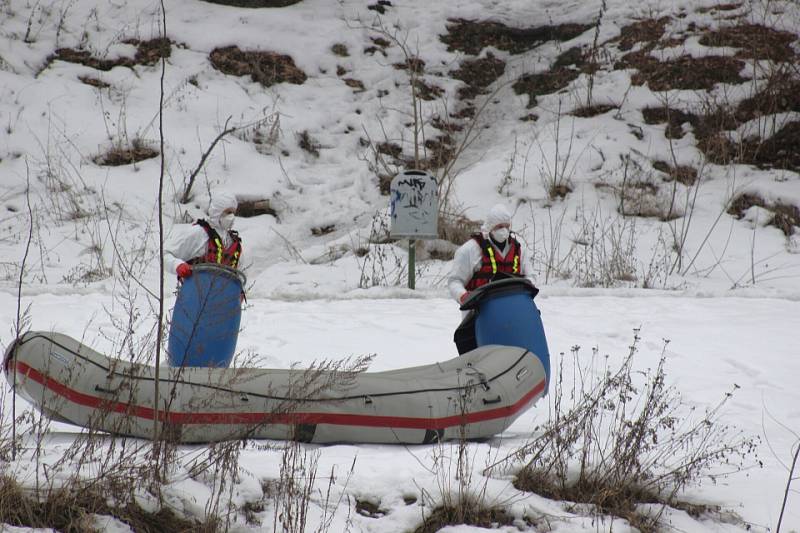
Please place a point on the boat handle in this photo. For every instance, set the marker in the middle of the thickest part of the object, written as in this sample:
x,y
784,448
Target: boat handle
x,y
494,400
522,372
367,400
98,388
244,398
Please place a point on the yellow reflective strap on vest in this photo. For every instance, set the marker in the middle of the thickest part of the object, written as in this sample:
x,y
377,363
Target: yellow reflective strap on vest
x,y
491,258
516,264
235,260
219,250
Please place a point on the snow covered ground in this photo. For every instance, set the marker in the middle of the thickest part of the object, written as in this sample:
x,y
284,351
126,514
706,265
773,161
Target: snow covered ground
x,y
729,309
714,343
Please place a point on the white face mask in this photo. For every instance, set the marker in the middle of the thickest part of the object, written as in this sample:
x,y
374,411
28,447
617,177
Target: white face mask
x,y
501,234
226,221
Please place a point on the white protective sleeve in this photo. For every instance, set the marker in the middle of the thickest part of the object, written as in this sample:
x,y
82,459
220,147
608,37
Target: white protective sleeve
x,y
186,242
467,261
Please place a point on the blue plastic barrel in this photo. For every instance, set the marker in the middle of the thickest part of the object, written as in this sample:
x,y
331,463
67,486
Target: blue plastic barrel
x,y
205,321
507,315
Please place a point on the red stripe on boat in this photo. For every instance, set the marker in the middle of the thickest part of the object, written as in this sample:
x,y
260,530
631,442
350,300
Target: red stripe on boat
x,y
341,419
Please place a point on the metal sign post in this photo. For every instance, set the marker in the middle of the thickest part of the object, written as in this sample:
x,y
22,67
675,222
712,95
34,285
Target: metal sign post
x,y
414,210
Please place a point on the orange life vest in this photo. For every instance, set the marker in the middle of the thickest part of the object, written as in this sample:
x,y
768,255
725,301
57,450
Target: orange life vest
x,y
492,262
215,251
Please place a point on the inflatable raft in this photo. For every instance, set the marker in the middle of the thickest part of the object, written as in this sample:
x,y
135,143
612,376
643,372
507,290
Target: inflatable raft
x,y
480,393
475,395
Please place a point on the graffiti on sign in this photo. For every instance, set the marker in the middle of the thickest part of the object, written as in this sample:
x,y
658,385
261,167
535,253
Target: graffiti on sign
x,y
414,204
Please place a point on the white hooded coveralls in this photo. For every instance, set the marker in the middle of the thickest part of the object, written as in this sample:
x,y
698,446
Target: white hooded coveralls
x,y
467,259
190,241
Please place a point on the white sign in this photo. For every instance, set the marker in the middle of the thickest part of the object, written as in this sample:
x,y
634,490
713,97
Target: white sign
x,y
414,203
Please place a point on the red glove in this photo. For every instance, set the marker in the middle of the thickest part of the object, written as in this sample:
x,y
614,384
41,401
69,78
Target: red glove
x,y
184,270
464,297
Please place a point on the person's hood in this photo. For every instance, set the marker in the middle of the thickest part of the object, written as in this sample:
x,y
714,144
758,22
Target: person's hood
x,y
499,214
220,201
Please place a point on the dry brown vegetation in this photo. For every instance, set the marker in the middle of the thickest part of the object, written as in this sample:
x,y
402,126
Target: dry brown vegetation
x,y
623,438
94,82
148,53
122,154
546,82
427,91
646,31
308,143
254,208
254,3
71,510
785,217
686,72
471,37
592,110
754,41
478,74
473,513
264,67
713,124
683,174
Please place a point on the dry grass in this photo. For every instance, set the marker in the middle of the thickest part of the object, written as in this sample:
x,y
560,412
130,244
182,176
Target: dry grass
x,y
685,72
647,32
471,37
683,174
254,3
126,154
785,217
266,68
94,82
148,53
254,208
592,110
70,509
754,41
471,512
478,74
546,82
619,436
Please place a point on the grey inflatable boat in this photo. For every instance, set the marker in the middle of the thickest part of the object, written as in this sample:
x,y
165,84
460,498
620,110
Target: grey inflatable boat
x,y
475,395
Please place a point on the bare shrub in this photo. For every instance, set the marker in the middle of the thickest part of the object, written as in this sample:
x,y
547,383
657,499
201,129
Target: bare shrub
x,y
71,508
557,169
121,153
378,260
264,132
291,493
460,498
619,436
785,217
640,194
603,251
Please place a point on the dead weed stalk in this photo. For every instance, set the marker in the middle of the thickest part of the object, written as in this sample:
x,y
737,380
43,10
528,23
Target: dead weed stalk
x,y
618,437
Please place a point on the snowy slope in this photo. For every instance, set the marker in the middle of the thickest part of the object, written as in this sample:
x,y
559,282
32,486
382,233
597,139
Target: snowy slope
x,y
320,284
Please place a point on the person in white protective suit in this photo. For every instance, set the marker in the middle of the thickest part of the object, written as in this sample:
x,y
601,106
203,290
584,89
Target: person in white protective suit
x,y
492,253
206,241
495,249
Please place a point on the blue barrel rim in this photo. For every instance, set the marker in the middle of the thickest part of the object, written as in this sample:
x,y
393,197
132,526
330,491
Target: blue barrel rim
x,y
510,284
223,270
